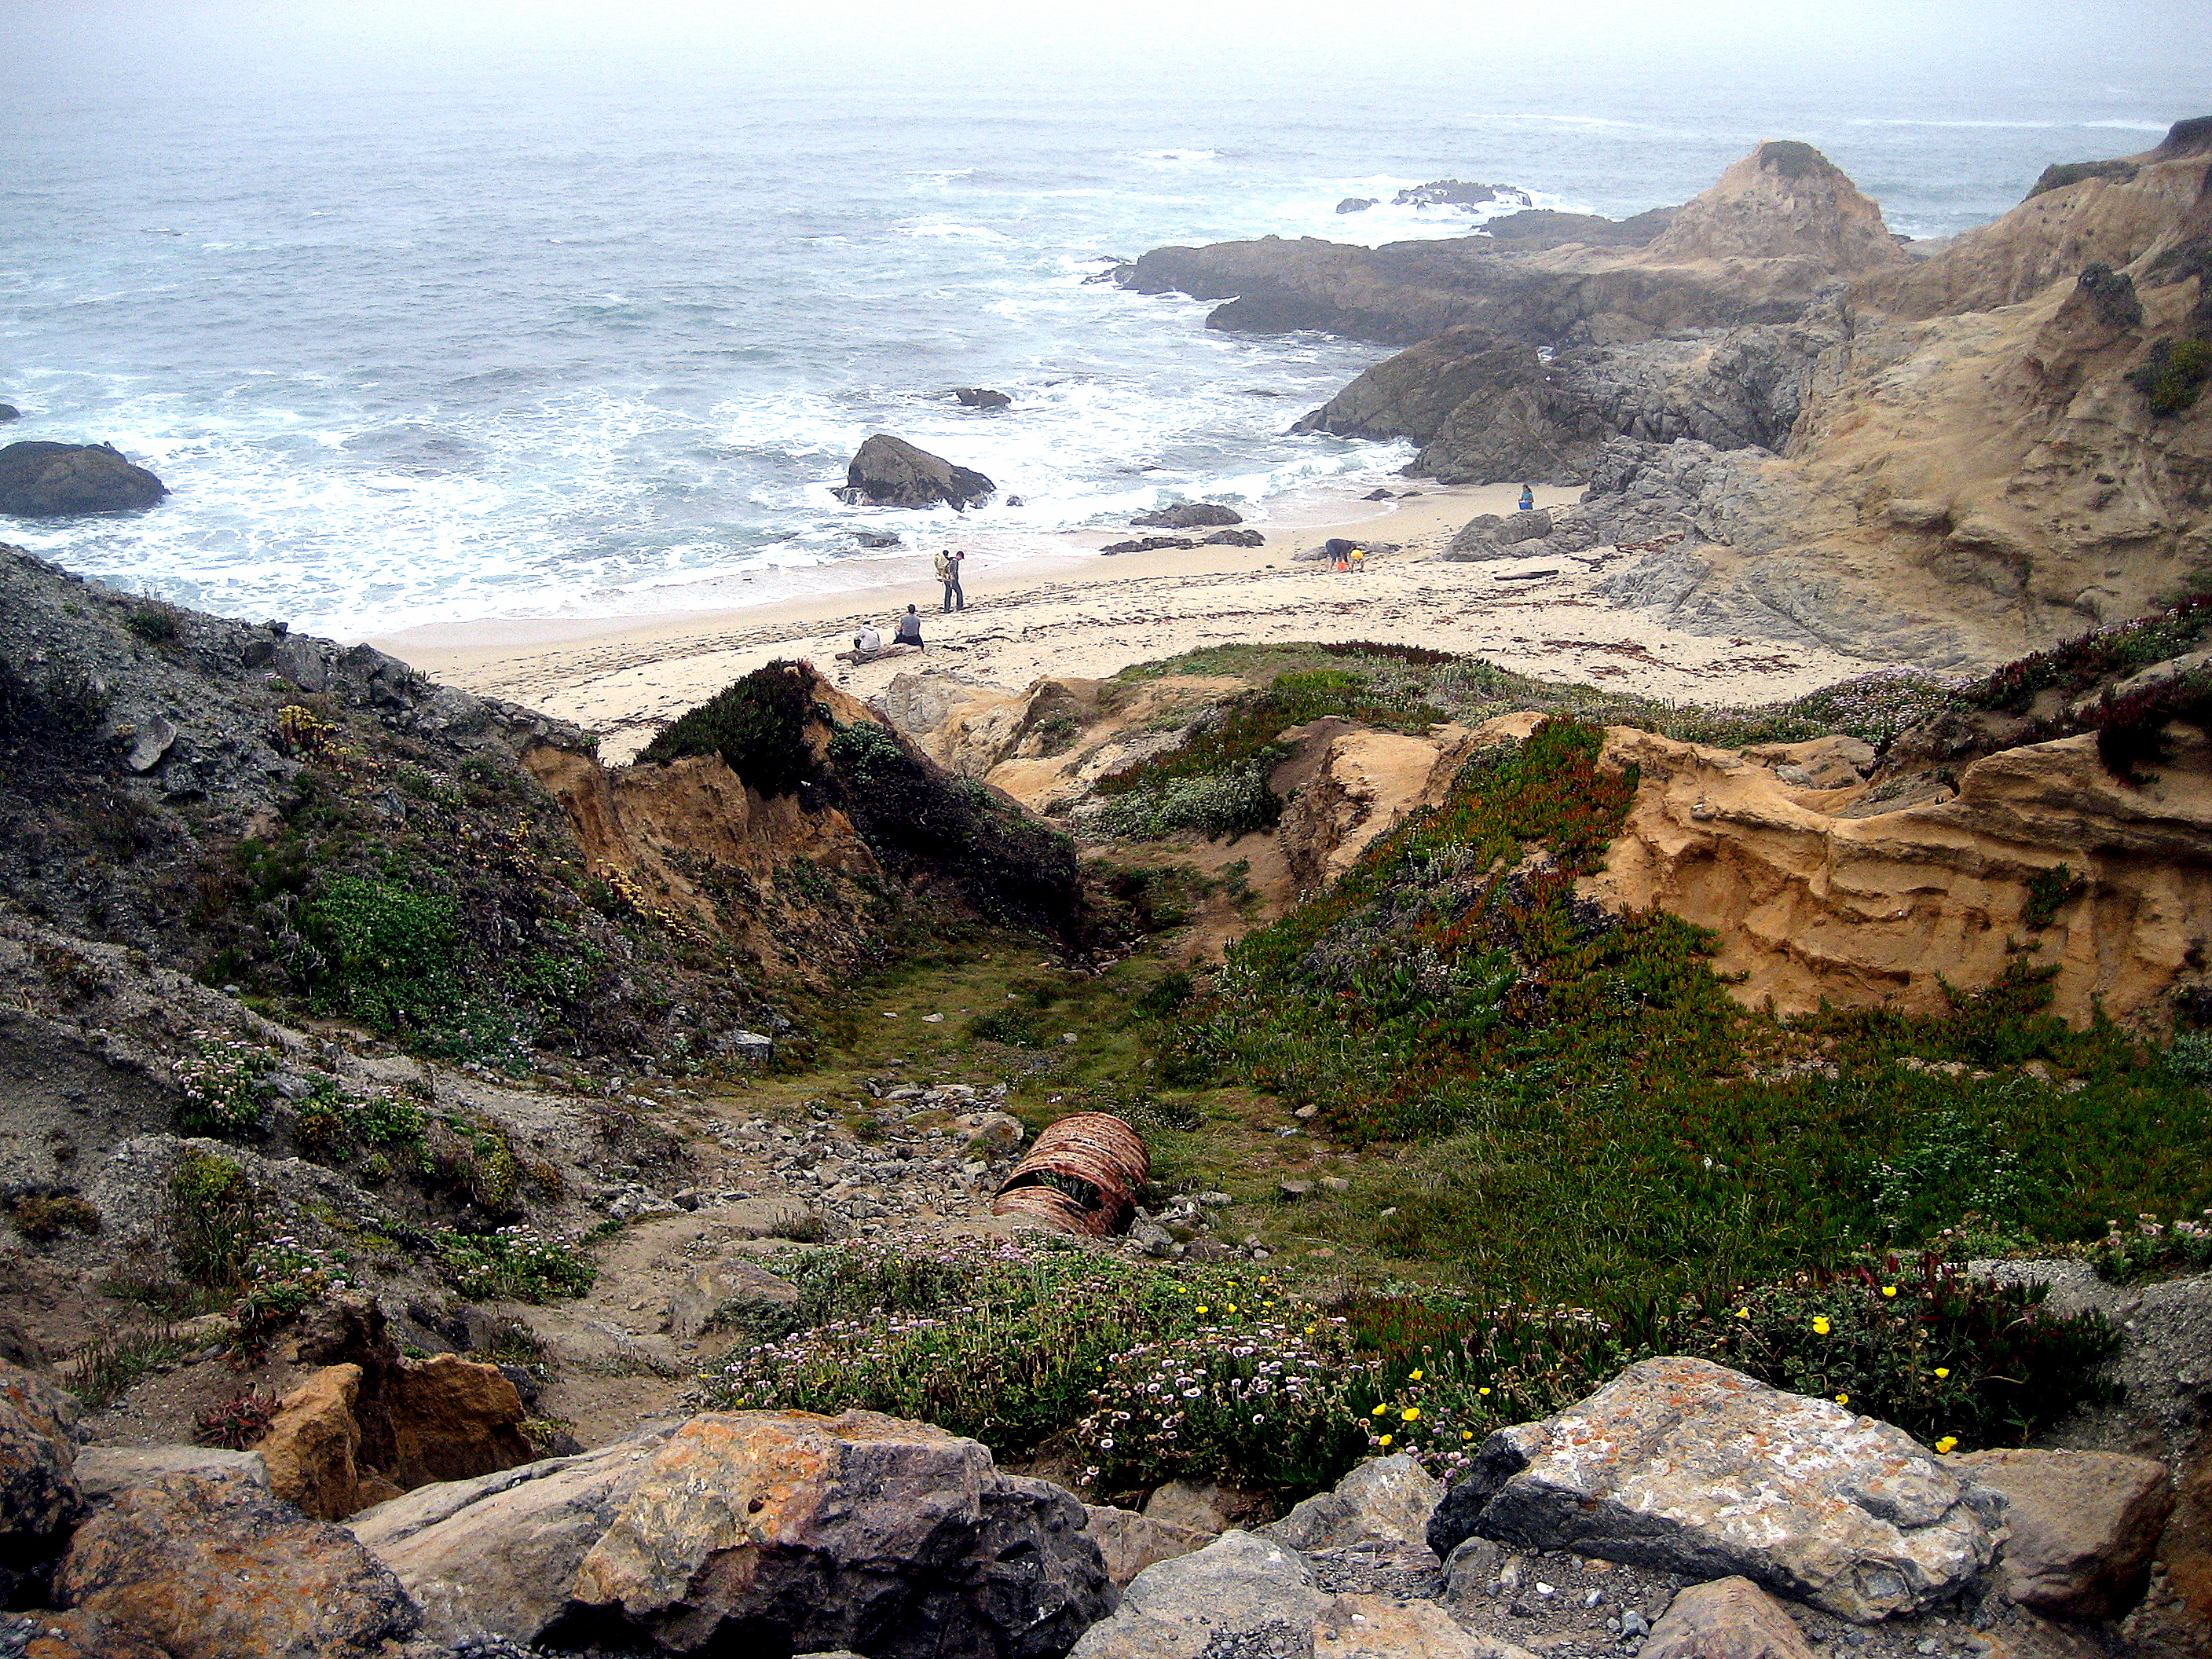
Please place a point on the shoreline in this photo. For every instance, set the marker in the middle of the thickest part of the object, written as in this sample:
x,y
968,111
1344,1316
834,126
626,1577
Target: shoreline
x,y
1073,614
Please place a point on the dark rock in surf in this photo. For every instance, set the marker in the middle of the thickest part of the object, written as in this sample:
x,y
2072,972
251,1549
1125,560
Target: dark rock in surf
x,y
10,412
1458,193
1355,203
47,480
888,471
1235,539
1190,515
869,538
980,396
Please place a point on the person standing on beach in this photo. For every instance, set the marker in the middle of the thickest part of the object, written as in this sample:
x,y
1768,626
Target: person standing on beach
x,y
948,571
909,630
1528,499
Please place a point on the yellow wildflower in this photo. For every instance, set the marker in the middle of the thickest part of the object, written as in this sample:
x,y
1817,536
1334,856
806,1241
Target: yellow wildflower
x,y
1942,1370
1820,1323
1378,1411
1889,1290
1409,1414
1743,1313
1417,1374
1482,1391
1946,1443
1385,1440
1202,1308
1843,1400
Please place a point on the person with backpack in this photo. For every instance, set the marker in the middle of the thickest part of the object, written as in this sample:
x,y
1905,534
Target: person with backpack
x,y
948,571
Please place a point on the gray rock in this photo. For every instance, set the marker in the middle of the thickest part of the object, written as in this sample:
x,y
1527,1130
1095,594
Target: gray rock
x,y
1683,1465
1189,515
888,471
10,412
1206,1505
49,480
1241,1597
102,1471
980,396
40,1498
1472,1568
1386,1498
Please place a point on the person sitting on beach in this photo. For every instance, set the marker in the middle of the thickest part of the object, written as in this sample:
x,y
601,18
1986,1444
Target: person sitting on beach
x,y
1528,499
867,642
909,630
1338,551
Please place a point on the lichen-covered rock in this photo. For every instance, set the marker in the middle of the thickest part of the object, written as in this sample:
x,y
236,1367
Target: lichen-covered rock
x,y
2083,1527
1389,1499
38,1495
1727,1618
219,1568
313,1447
783,1528
1683,1465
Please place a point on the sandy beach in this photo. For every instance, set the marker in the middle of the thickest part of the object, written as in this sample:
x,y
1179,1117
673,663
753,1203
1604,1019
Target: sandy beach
x,y
1065,610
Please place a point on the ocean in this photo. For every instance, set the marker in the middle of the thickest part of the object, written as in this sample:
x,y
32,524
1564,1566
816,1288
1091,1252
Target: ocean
x,y
418,338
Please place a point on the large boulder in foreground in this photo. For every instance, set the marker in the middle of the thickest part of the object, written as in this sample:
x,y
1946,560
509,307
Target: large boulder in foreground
x,y
773,1532
1682,1465
888,471
47,480
218,1569
38,1496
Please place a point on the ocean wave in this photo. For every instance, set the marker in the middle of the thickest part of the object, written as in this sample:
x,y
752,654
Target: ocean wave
x,y
960,232
2009,126
1177,157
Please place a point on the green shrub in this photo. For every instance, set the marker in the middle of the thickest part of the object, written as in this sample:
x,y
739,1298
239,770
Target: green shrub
x,y
155,626
2048,892
218,1083
516,1264
2172,376
391,949
1018,1028
2151,1245
283,1277
1220,806
213,1220
758,725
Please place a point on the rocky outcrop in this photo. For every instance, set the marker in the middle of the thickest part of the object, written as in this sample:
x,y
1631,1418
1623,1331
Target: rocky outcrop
x,y
49,480
1241,1593
1384,1500
105,1472
76,1634
1784,201
888,471
1812,902
218,1569
1129,1542
980,396
39,1499
2083,1526
771,1531
1683,1465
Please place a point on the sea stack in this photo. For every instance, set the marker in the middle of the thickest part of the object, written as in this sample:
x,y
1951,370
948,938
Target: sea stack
x,y
49,481
888,471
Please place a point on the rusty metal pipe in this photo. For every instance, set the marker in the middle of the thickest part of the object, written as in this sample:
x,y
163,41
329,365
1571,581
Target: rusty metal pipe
x,y
1081,1177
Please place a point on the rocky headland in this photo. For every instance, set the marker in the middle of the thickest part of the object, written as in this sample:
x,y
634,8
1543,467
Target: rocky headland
x,y
1944,454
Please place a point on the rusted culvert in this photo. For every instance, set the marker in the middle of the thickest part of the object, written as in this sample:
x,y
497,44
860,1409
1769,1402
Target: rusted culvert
x,y
1081,1177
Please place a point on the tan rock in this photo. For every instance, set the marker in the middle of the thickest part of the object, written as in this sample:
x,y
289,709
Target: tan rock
x,y
1868,911
1784,201
104,1471
1727,1618
1379,1627
313,1448
2083,1527
1354,787
1129,1542
219,1568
